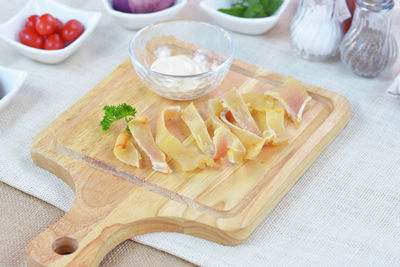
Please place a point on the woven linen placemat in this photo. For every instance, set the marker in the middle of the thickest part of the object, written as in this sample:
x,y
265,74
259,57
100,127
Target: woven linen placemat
x,y
24,216
345,210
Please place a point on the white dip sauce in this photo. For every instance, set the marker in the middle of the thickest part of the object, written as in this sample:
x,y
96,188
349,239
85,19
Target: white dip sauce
x,y
178,65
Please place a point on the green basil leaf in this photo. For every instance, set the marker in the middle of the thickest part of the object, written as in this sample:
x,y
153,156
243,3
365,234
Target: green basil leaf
x,y
236,11
271,6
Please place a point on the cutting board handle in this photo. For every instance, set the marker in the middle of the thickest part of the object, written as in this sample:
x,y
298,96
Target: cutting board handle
x,y
85,234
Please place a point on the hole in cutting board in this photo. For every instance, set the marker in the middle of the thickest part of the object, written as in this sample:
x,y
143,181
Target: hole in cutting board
x,y
65,245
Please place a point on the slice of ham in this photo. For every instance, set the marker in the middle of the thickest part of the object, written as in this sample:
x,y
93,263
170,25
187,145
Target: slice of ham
x,y
141,132
234,102
187,157
198,129
125,151
251,141
293,97
225,142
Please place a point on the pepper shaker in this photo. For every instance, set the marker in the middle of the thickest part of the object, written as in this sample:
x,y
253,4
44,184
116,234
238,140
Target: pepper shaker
x,y
316,31
368,48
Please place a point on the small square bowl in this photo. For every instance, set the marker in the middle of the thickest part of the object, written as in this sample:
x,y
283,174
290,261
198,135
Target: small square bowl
x,y
10,83
10,29
134,21
252,26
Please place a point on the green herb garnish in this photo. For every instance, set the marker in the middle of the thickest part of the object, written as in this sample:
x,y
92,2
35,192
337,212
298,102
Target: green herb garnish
x,y
253,8
114,113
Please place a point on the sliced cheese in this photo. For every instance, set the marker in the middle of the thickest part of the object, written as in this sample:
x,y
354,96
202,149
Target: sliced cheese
x,y
225,142
257,102
267,132
293,97
198,129
141,132
234,102
251,141
188,158
125,151
275,120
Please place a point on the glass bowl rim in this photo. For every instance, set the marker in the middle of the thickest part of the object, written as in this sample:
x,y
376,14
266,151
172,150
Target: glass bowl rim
x,y
225,33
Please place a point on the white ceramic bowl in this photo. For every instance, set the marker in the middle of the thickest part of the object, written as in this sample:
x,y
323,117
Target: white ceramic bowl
x,y
10,83
237,24
10,29
136,21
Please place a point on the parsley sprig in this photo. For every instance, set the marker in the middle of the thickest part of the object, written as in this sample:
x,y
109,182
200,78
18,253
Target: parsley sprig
x,y
115,113
253,8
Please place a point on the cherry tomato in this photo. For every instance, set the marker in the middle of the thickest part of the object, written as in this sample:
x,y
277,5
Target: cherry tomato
x,y
53,42
31,38
59,25
31,22
46,25
71,31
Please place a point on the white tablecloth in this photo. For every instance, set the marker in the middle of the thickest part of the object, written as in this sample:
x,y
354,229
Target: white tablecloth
x,y
345,210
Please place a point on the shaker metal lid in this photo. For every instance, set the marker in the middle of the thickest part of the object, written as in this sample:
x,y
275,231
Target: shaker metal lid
x,y
376,5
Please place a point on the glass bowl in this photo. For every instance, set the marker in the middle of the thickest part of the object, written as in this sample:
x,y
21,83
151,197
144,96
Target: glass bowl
x,y
202,42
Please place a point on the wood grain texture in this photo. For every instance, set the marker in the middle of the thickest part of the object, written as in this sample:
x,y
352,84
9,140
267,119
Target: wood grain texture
x,y
223,204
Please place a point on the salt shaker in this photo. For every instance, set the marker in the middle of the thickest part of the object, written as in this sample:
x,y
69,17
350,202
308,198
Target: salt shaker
x,y
368,48
316,31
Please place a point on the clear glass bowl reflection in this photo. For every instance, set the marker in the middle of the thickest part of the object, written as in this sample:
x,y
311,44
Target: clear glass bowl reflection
x,y
200,41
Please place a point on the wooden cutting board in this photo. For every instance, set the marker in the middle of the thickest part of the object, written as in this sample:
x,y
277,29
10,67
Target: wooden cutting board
x,y
115,202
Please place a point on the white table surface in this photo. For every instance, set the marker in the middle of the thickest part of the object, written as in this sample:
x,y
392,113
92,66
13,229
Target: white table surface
x,y
345,210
